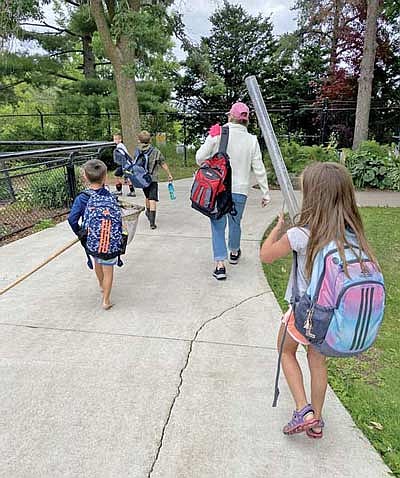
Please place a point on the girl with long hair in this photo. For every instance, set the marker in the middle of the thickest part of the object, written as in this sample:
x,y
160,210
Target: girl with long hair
x,y
329,213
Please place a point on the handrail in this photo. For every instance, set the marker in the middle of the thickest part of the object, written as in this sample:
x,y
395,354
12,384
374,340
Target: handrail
x,y
45,152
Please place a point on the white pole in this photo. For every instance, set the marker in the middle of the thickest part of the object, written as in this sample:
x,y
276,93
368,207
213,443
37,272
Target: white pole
x,y
273,146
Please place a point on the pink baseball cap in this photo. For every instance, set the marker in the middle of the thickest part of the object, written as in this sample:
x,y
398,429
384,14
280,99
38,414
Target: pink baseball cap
x,y
239,111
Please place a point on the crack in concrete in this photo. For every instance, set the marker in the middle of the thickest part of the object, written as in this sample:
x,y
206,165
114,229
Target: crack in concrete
x,y
133,336
183,369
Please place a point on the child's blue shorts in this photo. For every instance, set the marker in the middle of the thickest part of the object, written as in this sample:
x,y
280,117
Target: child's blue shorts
x,y
106,262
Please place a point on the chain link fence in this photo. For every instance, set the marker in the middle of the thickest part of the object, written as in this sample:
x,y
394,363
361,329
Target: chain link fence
x,y
38,186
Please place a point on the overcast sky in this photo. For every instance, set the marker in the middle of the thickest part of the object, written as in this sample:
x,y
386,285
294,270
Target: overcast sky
x,y
197,12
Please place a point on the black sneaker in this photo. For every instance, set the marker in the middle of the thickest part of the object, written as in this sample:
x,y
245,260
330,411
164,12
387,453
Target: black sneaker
x,y
234,257
220,273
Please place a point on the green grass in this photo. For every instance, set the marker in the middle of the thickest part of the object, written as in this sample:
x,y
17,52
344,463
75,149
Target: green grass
x,y
176,163
369,385
43,224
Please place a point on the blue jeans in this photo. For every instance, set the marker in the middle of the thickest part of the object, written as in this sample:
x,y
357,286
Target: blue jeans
x,y
218,227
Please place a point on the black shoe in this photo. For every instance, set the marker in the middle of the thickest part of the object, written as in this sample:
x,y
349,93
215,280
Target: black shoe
x,y
153,226
220,273
131,194
234,257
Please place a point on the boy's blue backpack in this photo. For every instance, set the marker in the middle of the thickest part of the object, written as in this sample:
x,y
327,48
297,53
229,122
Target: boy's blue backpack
x,y
138,171
340,314
102,226
121,158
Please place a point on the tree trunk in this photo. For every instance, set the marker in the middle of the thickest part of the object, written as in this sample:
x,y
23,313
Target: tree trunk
x,y
366,75
89,62
335,37
121,56
128,107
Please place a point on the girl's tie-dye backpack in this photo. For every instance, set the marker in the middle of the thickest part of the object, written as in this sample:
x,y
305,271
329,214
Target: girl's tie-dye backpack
x,y
340,314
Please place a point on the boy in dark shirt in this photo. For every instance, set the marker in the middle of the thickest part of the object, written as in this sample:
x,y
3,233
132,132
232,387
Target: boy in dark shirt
x,y
156,160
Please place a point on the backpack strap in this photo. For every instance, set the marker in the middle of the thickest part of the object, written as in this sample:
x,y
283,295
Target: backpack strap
x,y
146,155
223,144
88,193
295,287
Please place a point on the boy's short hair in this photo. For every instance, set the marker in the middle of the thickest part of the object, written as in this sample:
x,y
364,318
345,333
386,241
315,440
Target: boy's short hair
x,y
95,170
144,137
117,133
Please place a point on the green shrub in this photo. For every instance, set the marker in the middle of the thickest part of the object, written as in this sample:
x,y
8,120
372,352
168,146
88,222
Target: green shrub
x,y
4,191
49,190
394,172
297,157
369,165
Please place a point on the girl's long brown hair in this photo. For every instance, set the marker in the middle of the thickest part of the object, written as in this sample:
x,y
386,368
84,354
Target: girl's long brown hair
x,y
329,208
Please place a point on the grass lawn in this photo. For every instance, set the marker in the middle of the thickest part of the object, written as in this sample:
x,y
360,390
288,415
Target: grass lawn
x,y
369,385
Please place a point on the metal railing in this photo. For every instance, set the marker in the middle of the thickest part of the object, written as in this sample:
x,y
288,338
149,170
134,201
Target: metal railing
x,y
41,184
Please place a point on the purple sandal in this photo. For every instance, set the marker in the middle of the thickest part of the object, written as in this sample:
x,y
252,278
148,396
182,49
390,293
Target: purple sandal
x,y
311,433
298,423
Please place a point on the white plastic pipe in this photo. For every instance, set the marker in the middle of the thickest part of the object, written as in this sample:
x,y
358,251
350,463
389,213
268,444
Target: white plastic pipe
x,y
273,146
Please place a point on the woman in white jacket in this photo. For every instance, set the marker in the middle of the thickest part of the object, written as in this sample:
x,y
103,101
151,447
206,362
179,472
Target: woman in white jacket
x,y
245,156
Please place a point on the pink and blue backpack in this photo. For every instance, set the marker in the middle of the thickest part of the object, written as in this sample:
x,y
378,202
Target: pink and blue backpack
x,y
340,314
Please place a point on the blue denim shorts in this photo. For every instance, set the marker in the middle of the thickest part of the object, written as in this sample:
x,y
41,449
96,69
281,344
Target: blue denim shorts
x,y
106,262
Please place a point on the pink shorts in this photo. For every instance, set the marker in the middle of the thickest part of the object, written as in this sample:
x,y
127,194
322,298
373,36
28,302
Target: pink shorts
x,y
288,318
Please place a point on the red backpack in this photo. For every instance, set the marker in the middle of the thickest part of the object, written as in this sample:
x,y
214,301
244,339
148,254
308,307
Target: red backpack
x,y
212,186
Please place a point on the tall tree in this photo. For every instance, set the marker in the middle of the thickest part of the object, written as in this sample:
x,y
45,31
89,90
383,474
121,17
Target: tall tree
x,y
239,45
366,74
72,33
135,36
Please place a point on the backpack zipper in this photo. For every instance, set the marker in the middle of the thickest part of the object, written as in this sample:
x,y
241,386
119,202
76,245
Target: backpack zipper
x,y
321,277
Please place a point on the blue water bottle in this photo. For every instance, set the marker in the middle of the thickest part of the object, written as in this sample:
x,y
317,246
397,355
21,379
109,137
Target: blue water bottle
x,y
171,190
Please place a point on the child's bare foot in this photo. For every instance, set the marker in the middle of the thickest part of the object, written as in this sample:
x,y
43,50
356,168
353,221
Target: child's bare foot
x,y
107,305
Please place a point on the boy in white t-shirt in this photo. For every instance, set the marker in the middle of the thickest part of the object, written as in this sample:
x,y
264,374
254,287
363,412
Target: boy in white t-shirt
x,y
121,148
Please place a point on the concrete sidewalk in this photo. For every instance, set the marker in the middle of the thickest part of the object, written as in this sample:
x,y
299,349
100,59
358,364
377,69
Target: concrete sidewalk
x,y
176,381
